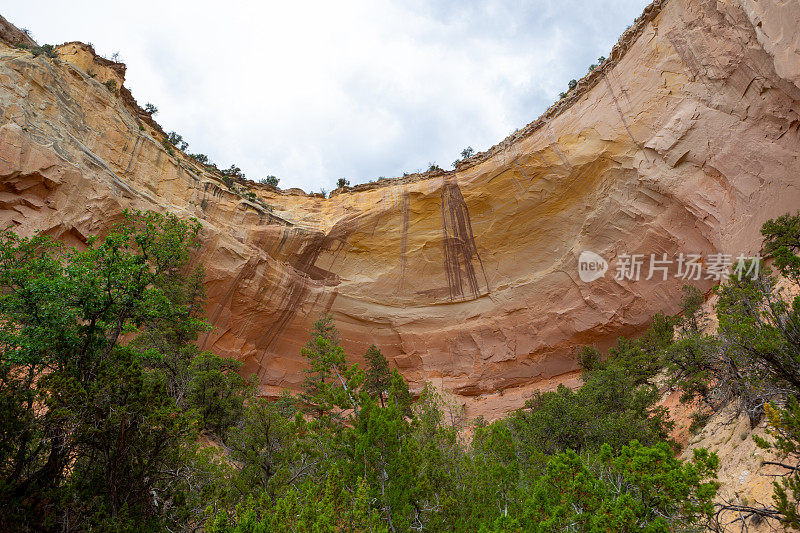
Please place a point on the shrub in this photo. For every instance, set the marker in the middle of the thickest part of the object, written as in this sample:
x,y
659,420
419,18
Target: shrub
x,y
47,50
342,183
270,180
111,85
233,172
217,390
150,109
168,147
177,141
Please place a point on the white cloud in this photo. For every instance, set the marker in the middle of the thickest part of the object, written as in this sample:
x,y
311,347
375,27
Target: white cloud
x,y
314,91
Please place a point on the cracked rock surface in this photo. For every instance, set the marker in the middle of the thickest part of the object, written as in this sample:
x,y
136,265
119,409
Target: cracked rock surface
x,y
685,140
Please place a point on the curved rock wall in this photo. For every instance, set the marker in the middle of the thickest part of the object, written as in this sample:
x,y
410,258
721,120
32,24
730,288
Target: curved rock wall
x,y
685,140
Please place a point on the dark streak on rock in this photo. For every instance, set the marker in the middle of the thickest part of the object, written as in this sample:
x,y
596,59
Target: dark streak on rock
x,y
304,273
405,210
459,243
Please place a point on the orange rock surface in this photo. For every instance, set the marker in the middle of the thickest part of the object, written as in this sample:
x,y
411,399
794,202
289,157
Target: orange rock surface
x,y
685,140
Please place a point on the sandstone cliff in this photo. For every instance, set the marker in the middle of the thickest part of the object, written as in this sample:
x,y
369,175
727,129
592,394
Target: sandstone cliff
x,y
685,140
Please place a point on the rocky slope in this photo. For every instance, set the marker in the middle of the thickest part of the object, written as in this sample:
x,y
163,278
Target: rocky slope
x,y
685,140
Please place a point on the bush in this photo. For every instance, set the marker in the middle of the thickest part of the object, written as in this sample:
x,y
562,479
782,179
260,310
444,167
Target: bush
x,y
150,109
168,147
177,141
608,409
270,180
233,172
341,183
47,50
217,390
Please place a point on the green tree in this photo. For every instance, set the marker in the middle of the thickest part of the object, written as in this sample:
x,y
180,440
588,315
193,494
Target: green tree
x,y
784,431
91,434
639,489
270,180
331,385
377,378
217,390
177,141
782,241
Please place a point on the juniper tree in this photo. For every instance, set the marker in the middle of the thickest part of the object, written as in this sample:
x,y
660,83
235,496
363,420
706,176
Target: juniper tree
x,y
377,377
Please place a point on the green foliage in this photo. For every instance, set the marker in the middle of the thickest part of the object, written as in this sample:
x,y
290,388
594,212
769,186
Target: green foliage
x,y
341,182
782,242
177,141
217,390
616,404
150,109
432,167
111,85
107,408
168,147
753,360
609,408
89,430
331,384
270,180
377,378
360,463
233,172
200,158
639,489
47,50
784,430
753,357
466,153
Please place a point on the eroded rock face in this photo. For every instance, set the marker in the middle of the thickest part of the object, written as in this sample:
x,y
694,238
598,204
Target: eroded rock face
x,y
685,140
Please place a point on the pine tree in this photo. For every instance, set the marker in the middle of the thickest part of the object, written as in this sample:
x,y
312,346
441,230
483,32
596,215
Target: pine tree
x,y
330,382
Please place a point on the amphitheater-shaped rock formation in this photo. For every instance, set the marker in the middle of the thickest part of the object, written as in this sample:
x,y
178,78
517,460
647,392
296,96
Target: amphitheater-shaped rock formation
x,y
685,140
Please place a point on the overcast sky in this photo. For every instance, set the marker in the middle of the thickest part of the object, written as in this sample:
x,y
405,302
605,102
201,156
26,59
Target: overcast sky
x,y
315,91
